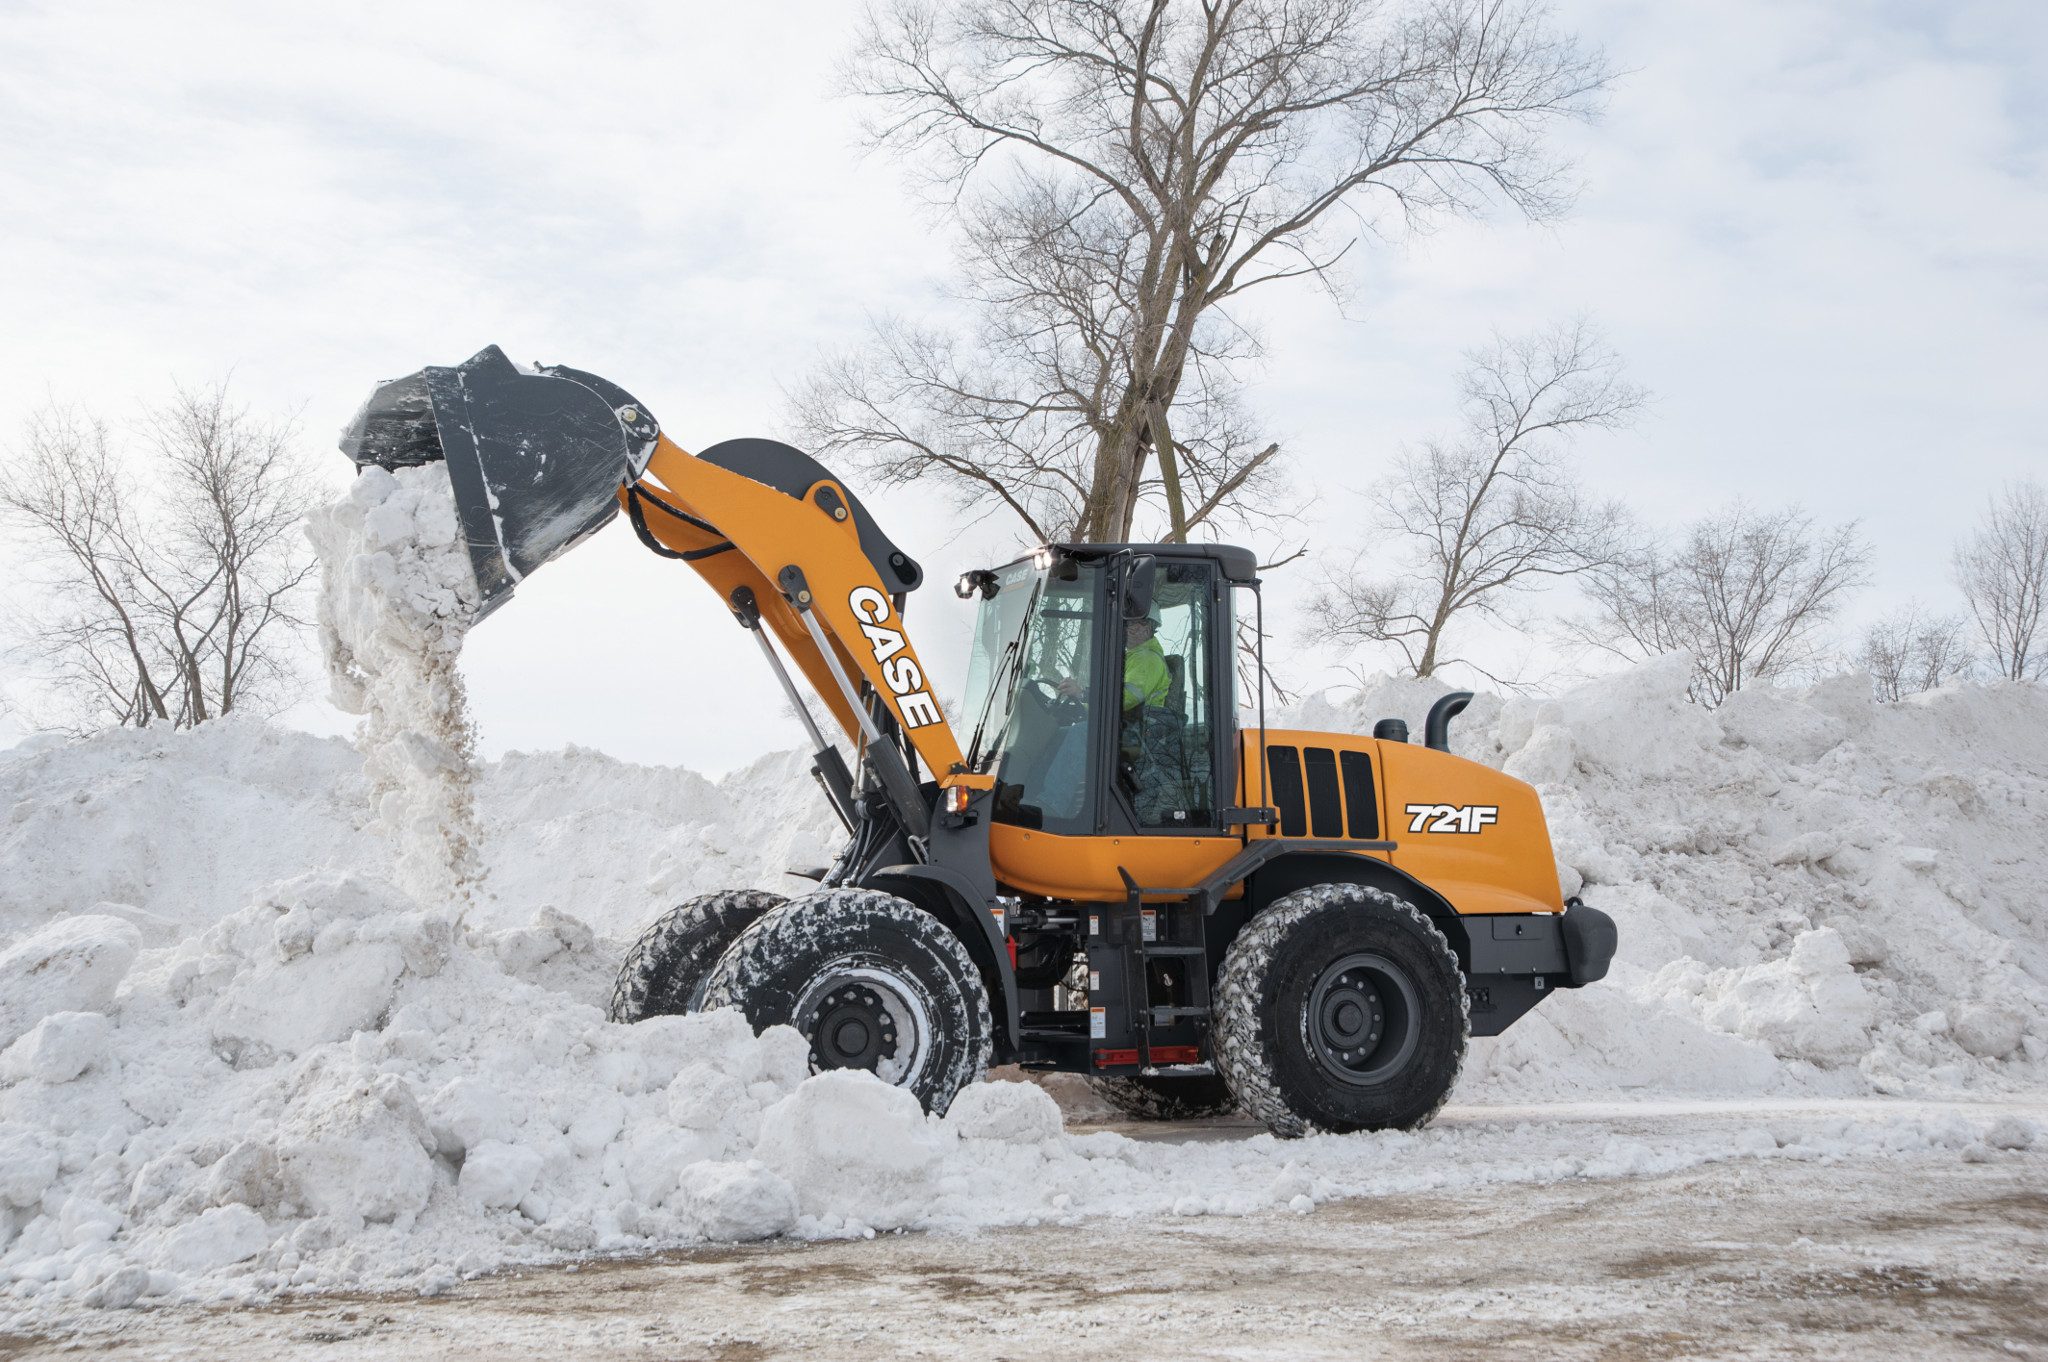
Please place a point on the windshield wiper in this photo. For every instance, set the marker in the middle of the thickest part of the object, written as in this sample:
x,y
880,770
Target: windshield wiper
x,y
1004,678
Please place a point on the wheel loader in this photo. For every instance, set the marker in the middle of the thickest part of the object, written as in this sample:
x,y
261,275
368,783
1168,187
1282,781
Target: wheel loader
x,y
1103,862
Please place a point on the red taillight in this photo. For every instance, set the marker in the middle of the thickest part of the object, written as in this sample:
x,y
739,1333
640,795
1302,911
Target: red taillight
x,y
1107,1058
1176,1054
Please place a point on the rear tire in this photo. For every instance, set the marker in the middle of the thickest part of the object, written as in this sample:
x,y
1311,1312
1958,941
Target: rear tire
x,y
872,982
1146,1098
668,962
1341,1007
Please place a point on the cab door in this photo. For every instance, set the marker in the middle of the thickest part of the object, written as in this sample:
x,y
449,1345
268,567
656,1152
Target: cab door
x,y
1166,765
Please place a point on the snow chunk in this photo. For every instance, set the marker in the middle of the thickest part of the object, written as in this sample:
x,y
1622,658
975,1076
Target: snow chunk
x,y
1807,849
2012,1132
355,1146
467,1113
27,1168
701,1097
1016,1113
1639,722
1810,1006
1547,757
317,959
1768,719
223,1235
499,1175
62,1046
70,966
735,1202
1988,1032
854,1148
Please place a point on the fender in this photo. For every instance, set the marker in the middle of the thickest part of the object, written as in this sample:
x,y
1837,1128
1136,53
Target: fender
x,y
921,884
1300,869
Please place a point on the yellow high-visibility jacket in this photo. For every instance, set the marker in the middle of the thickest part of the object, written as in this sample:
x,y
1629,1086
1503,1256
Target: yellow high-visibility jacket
x,y
1146,679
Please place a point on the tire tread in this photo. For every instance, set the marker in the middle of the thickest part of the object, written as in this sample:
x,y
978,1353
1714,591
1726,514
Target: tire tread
x,y
790,930
1242,1054
672,956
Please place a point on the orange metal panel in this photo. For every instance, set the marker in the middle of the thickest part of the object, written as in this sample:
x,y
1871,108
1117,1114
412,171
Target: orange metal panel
x,y
1437,808
770,530
1085,867
1495,859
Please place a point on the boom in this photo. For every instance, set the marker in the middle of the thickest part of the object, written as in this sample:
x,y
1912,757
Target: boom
x,y
799,556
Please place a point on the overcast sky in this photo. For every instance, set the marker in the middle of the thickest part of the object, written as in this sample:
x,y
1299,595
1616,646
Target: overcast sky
x,y
1816,231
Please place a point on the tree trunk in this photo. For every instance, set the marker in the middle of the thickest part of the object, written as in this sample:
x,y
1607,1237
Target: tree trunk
x,y
1169,471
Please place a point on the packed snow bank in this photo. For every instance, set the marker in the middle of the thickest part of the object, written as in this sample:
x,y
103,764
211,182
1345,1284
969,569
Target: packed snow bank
x,y
236,1057
189,824
397,595
1815,892
173,829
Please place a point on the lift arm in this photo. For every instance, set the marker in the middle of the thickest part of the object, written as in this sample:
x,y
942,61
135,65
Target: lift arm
x,y
798,556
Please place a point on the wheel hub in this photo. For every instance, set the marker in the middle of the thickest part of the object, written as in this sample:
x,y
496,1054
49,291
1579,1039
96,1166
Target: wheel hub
x,y
850,1028
1363,1019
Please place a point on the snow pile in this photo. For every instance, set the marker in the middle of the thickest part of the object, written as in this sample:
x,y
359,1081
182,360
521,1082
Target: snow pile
x,y
195,824
190,824
329,1089
614,843
243,1050
397,594
1816,893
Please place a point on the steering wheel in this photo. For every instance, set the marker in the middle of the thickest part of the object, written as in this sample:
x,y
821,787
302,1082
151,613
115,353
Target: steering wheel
x,y
1047,692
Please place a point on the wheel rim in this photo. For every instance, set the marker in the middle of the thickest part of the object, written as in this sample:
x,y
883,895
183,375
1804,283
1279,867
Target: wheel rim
x,y
1364,1020
862,1014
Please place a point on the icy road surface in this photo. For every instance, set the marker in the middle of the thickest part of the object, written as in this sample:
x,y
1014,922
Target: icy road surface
x,y
1929,1253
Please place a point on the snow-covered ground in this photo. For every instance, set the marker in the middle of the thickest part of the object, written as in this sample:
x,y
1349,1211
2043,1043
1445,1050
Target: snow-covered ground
x,y
1915,1254
276,1015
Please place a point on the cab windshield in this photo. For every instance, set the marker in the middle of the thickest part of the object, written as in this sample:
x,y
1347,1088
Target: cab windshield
x,y
1027,687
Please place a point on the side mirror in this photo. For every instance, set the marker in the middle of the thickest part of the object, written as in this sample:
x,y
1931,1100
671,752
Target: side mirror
x,y
1139,580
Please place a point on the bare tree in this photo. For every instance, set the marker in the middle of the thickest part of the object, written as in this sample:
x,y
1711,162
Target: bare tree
x,y
85,614
1495,512
1749,594
1909,651
2003,571
165,591
1123,170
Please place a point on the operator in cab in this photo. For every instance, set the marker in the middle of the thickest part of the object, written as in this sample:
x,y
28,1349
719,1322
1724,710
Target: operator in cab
x,y
1146,679
1148,682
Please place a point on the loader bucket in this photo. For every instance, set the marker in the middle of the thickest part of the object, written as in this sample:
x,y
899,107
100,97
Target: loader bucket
x,y
535,456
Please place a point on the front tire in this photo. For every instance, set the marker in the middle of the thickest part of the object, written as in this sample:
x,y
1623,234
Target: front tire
x,y
872,982
662,971
1340,1008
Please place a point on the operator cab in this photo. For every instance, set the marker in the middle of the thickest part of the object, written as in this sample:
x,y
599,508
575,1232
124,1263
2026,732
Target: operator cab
x,y
1101,688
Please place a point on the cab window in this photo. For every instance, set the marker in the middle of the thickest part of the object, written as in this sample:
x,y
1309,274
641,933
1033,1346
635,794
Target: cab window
x,y
1166,746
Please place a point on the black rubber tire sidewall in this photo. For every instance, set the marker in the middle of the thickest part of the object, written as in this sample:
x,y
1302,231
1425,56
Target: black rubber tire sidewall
x,y
1147,1097
661,973
1263,992
768,969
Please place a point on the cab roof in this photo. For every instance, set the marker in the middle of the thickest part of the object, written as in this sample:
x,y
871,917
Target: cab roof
x,y
1236,564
